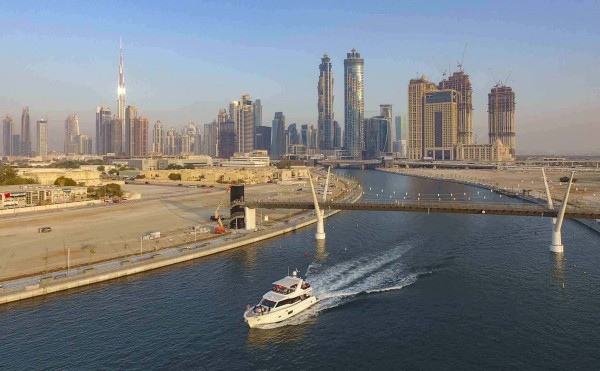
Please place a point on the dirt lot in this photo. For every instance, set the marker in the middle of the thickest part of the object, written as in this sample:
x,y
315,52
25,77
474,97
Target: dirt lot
x,y
107,232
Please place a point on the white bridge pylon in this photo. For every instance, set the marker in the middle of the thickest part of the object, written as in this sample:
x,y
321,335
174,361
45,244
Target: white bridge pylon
x,y
320,234
556,245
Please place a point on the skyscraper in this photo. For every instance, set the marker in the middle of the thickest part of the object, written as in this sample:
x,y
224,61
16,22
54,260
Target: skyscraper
x,y
103,117
417,88
42,138
376,136
8,129
192,131
25,133
385,111
257,113
210,139
278,136
460,82
140,137
227,133
222,116
244,134
263,138
325,104
501,116
354,106
131,114
16,143
85,145
337,135
293,135
186,148
170,144
400,128
113,139
158,139
71,144
121,88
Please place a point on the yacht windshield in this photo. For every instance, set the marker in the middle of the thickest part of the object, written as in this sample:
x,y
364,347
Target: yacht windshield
x,y
267,303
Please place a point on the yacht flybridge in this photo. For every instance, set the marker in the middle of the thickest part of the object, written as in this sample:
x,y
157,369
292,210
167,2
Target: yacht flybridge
x,y
288,297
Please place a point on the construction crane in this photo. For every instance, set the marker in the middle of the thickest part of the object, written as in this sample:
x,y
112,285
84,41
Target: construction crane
x,y
462,58
217,218
507,77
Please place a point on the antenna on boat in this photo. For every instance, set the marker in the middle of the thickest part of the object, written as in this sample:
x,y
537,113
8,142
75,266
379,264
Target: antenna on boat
x,y
288,270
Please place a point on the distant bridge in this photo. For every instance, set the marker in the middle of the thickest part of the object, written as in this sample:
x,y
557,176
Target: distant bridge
x,y
486,208
360,164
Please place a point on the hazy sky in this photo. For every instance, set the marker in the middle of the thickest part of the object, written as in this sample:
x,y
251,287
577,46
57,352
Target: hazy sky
x,y
184,60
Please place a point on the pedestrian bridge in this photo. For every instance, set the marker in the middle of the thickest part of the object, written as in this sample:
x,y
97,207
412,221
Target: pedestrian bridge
x,y
357,164
557,216
449,207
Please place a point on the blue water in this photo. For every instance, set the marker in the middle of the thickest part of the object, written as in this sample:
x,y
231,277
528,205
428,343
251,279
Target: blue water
x,y
399,290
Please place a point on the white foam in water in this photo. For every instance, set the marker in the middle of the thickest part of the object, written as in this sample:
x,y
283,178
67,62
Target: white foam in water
x,y
338,284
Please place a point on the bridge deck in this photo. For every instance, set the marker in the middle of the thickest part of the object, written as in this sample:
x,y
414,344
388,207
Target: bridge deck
x,y
435,207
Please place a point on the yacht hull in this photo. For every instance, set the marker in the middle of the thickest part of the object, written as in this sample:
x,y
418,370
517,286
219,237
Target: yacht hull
x,y
278,315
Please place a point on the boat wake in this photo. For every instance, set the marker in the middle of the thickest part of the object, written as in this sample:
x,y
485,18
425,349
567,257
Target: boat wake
x,y
341,283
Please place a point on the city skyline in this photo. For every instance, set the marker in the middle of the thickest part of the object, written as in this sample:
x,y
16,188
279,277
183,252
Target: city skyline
x,y
56,82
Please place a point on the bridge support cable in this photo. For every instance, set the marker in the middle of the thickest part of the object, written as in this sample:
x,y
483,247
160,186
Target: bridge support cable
x,y
320,234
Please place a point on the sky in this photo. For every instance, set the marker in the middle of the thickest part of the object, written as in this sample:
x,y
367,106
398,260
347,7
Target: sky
x,y
184,60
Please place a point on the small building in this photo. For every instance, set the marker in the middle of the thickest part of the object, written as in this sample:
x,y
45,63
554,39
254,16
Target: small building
x,y
36,195
495,152
248,160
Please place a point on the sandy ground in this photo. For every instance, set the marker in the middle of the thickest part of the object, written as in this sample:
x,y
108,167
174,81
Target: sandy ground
x,y
584,192
107,232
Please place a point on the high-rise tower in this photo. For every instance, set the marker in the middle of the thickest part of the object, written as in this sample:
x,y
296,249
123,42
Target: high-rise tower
x,y
139,145
103,117
460,82
257,113
42,138
242,114
121,88
501,116
170,145
325,104
71,134
131,114
354,105
25,133
278,136
8,129
158,139
385,111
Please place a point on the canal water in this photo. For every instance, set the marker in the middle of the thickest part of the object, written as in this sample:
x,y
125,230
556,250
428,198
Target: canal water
x,y
398,290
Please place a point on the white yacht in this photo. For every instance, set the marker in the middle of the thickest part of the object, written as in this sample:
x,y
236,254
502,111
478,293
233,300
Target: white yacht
x,y
288,297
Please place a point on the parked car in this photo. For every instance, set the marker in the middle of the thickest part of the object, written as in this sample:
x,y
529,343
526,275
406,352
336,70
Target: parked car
x,y
44,230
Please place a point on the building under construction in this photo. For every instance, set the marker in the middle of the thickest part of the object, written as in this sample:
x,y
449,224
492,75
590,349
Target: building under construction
x,y
501,116
460,82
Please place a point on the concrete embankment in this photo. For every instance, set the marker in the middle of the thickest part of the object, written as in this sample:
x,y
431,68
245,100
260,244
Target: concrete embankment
x,y
49,285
